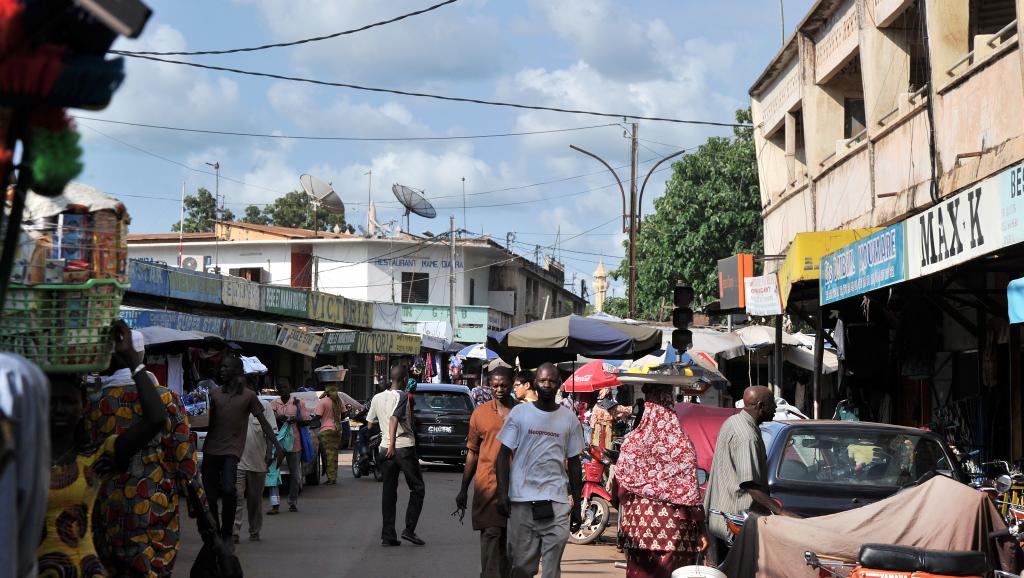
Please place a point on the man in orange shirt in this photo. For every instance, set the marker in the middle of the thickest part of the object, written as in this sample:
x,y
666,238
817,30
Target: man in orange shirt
x,y
482,447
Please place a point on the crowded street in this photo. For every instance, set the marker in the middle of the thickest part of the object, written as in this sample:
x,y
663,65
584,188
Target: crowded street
x,y
334,534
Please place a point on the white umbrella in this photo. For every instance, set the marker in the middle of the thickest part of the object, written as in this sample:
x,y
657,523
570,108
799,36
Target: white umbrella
x,y
478,351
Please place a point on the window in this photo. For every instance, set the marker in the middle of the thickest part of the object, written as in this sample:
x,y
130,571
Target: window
x,y
472,292
415,287
853,117
871,458
442,401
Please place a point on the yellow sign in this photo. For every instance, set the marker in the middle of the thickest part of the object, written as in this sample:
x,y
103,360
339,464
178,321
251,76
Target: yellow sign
x,y
339,310
387,342
803,259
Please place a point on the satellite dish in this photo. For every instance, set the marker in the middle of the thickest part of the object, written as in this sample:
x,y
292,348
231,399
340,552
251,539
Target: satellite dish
x,y
323,194
414,202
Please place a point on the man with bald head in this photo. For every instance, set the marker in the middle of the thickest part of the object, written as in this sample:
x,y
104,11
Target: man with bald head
x,y
738,479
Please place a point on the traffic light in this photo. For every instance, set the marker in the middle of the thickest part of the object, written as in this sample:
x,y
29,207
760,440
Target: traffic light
x,y
682,316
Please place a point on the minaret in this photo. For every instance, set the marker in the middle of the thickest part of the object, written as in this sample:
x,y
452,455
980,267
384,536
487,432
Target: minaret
x,y
600,285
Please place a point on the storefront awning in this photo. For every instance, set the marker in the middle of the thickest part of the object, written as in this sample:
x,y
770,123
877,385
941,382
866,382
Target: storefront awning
x,y
803,258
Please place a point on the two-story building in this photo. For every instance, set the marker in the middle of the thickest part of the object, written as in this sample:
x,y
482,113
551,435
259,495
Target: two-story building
x,y
889,138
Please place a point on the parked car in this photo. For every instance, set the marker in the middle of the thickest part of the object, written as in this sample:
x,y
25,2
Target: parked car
x,y
442,413
818,467
310,470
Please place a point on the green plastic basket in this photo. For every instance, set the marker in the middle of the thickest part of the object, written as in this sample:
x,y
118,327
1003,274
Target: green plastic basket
x,y
62,328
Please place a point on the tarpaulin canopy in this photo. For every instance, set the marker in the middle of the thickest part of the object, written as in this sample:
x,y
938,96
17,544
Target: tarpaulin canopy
x,y
563,338
940,514
702,423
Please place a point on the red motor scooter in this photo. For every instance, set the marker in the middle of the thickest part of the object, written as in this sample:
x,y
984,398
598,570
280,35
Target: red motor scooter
x,y
597,500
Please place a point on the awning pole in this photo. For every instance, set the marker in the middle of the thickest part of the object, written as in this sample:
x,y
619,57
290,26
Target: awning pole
x,y
819,355
778,355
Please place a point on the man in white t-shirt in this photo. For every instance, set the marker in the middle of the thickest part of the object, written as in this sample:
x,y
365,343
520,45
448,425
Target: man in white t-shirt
x,y
538,467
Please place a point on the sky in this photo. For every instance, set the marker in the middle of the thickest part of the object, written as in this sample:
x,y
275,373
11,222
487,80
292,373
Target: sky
x,y
686,59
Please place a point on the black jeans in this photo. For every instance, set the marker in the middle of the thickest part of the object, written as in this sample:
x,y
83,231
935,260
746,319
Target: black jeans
x,y
219,474
407,462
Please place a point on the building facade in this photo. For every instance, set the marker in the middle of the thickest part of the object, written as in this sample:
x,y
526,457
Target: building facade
x,y
889,138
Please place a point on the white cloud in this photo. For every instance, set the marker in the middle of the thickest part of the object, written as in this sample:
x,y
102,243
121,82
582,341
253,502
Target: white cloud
x,y
453,43
341,116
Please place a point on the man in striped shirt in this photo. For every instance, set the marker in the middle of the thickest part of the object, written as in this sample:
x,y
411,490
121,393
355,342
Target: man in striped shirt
x,y
738,479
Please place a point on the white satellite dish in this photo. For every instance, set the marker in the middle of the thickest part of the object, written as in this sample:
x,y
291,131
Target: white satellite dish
x,y
323,194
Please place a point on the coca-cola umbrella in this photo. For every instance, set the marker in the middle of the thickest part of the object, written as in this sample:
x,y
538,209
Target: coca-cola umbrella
x,y
593,376
563,338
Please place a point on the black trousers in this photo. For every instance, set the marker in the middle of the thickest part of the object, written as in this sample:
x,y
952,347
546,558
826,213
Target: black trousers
x,y
219,474
407,462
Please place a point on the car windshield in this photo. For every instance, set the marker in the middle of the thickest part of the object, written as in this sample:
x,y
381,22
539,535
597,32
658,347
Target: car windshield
x,y
444,401
878,458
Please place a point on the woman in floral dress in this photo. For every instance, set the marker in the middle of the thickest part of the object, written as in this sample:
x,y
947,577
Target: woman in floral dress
x,y
661,519
78,471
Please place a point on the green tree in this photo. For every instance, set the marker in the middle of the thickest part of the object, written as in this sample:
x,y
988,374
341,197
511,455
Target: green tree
x,y
254,216
295,210
200,213
617,306
711,209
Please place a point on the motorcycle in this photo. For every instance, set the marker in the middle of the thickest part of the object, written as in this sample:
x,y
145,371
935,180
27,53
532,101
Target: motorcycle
x,y
733,522
892,561
596,504
364,456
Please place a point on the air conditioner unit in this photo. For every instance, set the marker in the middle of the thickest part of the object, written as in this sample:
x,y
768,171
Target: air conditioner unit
x,y
195,262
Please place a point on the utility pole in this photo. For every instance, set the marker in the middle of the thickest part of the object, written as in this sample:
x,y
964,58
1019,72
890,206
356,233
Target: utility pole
x,y
451,278
632,220
217,213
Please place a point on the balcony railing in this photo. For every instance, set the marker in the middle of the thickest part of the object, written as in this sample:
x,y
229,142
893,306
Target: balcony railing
x,y
998,38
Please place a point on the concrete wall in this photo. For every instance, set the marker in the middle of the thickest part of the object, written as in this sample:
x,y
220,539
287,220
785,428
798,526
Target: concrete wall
x,y
978,110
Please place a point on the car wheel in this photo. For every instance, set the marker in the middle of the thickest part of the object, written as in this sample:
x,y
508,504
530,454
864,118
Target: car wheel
x,y
596,512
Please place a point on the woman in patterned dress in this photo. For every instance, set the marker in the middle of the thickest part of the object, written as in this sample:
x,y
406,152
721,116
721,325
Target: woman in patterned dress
x,y
78,472
661,519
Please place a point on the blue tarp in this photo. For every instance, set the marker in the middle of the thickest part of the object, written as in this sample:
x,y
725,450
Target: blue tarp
x,y
1015,300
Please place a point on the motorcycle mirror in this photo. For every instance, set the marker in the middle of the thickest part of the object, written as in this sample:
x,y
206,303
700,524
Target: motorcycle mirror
x,y
1003,484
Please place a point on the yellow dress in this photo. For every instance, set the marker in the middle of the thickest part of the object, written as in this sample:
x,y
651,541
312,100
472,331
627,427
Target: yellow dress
x,y
66,548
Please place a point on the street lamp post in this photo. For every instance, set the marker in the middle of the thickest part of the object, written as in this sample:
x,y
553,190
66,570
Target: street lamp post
x,y
216,215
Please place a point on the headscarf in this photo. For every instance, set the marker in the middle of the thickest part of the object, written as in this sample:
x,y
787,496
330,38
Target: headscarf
x,y
658,460
337,407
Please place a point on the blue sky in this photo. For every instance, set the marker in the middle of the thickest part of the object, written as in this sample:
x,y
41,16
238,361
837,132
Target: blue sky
x,y
688,59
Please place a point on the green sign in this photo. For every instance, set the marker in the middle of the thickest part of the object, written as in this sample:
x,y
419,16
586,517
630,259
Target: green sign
x,y
339,342
285,301
471,320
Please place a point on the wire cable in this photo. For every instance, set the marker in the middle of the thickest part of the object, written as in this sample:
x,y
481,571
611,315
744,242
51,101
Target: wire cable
x,y
435,96
286,44
338,138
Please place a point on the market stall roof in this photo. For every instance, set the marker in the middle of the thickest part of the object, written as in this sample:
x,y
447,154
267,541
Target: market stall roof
x,y
156,336
757,336
717,343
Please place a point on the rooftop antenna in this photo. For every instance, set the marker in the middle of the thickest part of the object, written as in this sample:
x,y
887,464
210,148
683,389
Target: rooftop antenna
x,y
414,202
322,195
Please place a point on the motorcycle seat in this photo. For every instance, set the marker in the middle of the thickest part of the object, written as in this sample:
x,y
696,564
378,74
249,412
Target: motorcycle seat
x,y
909,559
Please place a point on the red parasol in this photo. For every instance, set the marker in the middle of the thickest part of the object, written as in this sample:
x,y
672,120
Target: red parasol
x,y
593,376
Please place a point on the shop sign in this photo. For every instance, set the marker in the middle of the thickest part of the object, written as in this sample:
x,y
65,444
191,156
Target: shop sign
x,y
148,278
762,296
325,307
339,342
731,273
194,285
241,293
956,230
299,341
358,313
252,331
387,342
201,323
285,301
1011,190
139,318
471,321
865,265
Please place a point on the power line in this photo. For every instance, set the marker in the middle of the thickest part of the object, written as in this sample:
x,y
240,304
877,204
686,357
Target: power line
x,y
433,96
286,44
338,138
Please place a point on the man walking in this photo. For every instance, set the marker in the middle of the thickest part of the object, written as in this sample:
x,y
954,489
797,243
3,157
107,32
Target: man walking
x,y
482,447
230,408
538,466
252,474
397,455
738,479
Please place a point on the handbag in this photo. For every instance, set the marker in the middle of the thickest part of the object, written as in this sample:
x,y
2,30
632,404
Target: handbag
x,y
215,558
308,452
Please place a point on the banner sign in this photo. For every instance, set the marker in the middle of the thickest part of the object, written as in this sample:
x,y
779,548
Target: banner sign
x,y
731,273
252,331
148,278
241,293
876,261
285,301
338,310
139,318
299,341
339,342
201,323
194,285
358,313
762,295
387,342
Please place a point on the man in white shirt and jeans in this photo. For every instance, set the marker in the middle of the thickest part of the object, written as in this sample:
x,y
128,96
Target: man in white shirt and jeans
x,y
389,411
538,466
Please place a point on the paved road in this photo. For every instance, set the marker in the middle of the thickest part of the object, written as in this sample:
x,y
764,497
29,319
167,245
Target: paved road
x,y
337,533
